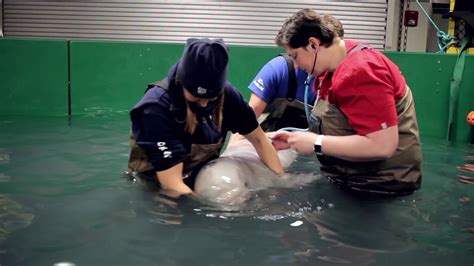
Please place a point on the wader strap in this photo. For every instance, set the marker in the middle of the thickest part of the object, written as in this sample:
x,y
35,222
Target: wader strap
x,y
456,84
160,83
177,107
357,48
291,94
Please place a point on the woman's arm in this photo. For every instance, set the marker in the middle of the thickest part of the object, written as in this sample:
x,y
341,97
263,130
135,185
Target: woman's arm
x,y
258,105
265,150
172,179
378,145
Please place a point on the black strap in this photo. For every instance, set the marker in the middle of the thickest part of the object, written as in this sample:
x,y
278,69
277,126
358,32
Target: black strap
x,y
160,83
291,94
177,107
358,47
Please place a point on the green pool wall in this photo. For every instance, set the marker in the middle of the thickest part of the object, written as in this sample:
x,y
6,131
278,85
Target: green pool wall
x,y
33,77
58,77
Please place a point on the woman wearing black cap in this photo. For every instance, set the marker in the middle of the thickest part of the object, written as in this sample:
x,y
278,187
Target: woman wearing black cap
x,y
181,122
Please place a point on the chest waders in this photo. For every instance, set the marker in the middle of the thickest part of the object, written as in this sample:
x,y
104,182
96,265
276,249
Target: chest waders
x,y
285,112
398,175
199,154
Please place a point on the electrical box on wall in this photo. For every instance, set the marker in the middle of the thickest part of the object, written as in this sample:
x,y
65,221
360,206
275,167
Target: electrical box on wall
x,y
410,18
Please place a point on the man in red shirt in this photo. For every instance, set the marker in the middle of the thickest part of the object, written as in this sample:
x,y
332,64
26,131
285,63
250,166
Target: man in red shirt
x,y
363,125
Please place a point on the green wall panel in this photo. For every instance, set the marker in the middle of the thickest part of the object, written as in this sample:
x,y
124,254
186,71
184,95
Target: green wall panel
x,y
245,63
112,76
429,76
462,130
34,77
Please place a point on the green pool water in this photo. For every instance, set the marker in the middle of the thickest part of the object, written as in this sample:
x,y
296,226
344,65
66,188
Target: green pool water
x,y
64,197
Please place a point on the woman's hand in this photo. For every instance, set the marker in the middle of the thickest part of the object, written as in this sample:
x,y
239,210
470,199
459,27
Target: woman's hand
x,y
279,139
302,141
172,179
265,150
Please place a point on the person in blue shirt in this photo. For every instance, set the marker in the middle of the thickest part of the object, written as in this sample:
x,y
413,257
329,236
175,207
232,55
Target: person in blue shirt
x,y
181,122
278,93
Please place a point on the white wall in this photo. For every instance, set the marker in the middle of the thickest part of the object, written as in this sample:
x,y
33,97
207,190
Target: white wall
x,y
1,18
392,30
442,23
417,37
249,22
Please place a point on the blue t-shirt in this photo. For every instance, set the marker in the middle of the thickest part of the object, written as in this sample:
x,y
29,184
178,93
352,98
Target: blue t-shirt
x,y
272,82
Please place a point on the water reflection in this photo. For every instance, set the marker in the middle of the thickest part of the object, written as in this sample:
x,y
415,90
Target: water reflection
x,y
13,216
467,177
165,210
86,213
286,199
269,204
372,229
4,156
468,171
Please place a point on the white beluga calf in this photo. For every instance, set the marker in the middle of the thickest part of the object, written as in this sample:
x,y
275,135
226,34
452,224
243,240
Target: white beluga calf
x,y
229,179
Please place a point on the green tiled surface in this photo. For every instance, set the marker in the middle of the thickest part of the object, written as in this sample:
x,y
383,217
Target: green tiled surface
x,y
34,77
111,77
429,76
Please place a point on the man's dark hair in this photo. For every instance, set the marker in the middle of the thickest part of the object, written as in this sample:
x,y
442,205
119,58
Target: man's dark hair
x,y
306,23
